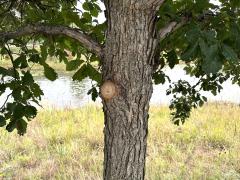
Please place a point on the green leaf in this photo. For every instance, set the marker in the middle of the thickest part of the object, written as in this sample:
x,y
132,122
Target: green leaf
x,y
17,123
30,112
2,121
50,73
86,6
2,88
44,53
204,98
94,93
212,65
211,60
11,125
204,47
93,73
94,12
172,58
210,36
159,77
87,16
18,111
193,34
81,73
87,70
229,53
35,58
35,88
21,127
73,65
6,72
190,52
27,78
94,58
20,62
16,94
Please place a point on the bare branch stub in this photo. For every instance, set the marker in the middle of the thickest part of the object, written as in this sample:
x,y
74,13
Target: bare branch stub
x,y
156,3
171,27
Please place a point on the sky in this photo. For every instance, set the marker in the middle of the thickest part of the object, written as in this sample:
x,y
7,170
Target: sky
x,y
101,18
215,2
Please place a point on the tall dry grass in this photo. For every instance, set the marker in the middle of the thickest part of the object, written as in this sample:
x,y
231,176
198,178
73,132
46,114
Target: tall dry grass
x,y
68,144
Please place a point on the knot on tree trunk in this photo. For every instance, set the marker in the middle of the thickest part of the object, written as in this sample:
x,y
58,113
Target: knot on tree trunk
x,y
108,90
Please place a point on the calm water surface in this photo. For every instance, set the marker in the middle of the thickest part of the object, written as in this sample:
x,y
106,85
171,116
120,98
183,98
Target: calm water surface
x,y
64,92
67,93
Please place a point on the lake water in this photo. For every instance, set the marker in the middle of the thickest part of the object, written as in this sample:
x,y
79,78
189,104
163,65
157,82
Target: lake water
x,y
71,94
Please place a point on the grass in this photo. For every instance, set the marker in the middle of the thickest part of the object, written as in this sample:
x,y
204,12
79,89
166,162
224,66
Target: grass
x,y
37,69
68,144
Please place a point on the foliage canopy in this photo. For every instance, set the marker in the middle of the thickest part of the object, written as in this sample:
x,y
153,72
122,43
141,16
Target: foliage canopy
x,y
198,34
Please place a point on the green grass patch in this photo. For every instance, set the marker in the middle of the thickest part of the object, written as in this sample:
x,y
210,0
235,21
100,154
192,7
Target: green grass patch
x,y
68,144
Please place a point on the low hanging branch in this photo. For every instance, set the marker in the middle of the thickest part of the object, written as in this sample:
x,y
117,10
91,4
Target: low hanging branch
x,y
84,39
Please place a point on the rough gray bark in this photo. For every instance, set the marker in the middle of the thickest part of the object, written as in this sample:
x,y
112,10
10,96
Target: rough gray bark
x,y
129,51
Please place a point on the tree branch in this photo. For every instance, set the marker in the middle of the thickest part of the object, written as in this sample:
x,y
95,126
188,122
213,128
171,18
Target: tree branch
x,y
84,39
157,3
5,102
174,25
171,27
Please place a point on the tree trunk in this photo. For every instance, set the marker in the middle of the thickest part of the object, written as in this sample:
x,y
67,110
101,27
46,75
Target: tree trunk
x,y
129,49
